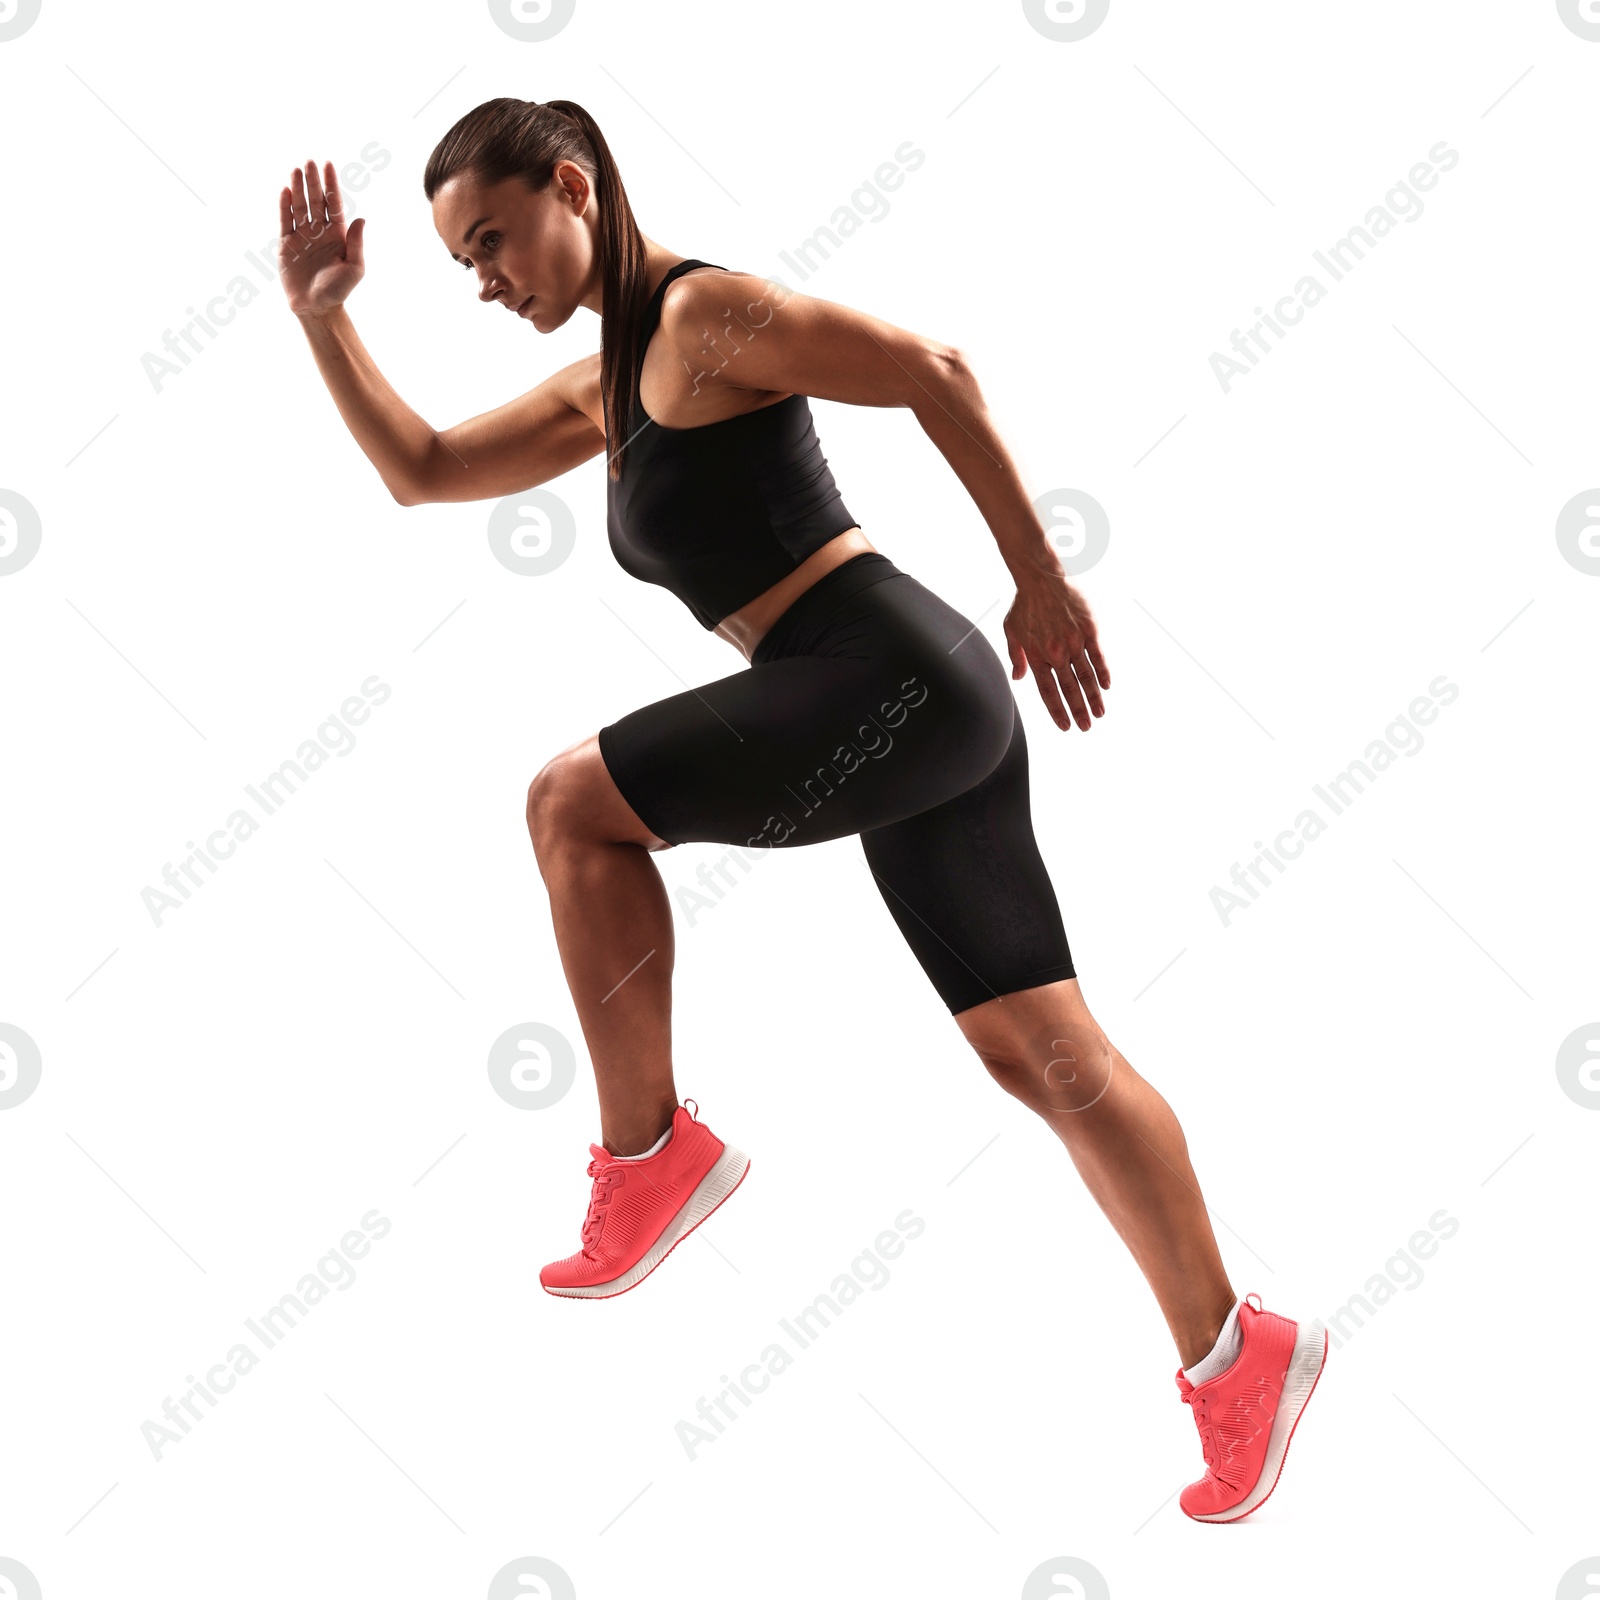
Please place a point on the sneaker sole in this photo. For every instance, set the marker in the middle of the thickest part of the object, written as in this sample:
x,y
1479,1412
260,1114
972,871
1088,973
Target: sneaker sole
x,y
1305,1368
726,1174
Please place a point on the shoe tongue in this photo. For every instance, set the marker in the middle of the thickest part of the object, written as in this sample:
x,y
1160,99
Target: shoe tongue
x,y
600,1153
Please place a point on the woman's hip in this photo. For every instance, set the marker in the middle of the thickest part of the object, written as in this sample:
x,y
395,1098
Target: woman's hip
x,y
868,610
874,702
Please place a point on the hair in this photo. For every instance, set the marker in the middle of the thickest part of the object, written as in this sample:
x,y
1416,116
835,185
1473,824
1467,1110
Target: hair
x,y
508,138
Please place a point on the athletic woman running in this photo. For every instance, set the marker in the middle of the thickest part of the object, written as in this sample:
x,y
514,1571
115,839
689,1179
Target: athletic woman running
x,y
869,707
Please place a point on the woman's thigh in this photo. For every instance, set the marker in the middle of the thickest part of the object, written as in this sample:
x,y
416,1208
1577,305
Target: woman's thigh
x,y
969,891
893,705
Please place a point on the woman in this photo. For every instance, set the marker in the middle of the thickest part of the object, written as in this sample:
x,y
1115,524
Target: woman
x,y
869,707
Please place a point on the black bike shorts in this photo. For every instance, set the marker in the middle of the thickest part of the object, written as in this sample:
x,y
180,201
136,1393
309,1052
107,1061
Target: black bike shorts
x,y
870,707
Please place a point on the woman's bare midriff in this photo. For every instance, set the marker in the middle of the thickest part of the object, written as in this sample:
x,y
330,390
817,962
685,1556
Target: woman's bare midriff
x,y
745,628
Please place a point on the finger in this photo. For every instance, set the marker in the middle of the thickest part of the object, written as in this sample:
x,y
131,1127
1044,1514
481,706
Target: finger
x,y
314,199
353,241
1019,657
1051,696
334,197
1091,644
1080,712
288,240
1086,679
297,202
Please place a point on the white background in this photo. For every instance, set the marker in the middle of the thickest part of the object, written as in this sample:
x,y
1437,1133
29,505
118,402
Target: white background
x,y
224,1096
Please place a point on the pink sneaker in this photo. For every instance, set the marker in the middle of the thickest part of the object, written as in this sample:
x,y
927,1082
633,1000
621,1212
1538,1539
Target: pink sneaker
x,y
1247,1415
638,1210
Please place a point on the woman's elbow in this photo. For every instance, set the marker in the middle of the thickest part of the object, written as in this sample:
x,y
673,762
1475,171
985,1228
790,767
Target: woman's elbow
x,y
954,371
944,375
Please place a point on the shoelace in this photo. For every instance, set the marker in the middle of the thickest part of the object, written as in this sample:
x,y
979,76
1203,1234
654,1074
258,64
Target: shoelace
x,y
605,1178
1191,1397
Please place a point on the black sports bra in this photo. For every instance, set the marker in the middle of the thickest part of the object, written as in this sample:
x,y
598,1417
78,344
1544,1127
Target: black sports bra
x,y
720,512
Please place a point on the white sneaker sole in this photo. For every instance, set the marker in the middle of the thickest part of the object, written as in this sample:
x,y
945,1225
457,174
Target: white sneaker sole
x,y
726,1174
1305,1367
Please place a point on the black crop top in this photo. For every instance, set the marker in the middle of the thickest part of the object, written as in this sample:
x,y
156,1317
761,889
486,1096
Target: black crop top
x,y
720,512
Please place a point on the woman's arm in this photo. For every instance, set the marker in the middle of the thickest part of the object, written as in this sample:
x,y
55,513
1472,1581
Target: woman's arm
x,y
525,442
740,329
528,441
1049,627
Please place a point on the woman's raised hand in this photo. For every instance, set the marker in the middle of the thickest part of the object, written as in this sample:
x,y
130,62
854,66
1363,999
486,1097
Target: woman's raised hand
x,y
319,262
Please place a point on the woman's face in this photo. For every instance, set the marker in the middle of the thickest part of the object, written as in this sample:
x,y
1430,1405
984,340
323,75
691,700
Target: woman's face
x,y
532,252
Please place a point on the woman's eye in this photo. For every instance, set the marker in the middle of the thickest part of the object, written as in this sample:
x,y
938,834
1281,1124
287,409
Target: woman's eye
x,y
467,265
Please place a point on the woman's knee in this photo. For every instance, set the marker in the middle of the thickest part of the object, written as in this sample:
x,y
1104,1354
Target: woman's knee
x,y
1059,1066
573,798
554,799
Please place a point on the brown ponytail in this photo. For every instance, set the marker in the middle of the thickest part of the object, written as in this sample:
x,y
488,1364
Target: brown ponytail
x,y
508,138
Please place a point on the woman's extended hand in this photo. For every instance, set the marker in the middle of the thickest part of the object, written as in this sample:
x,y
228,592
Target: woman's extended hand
x,y
319,263
1049,629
